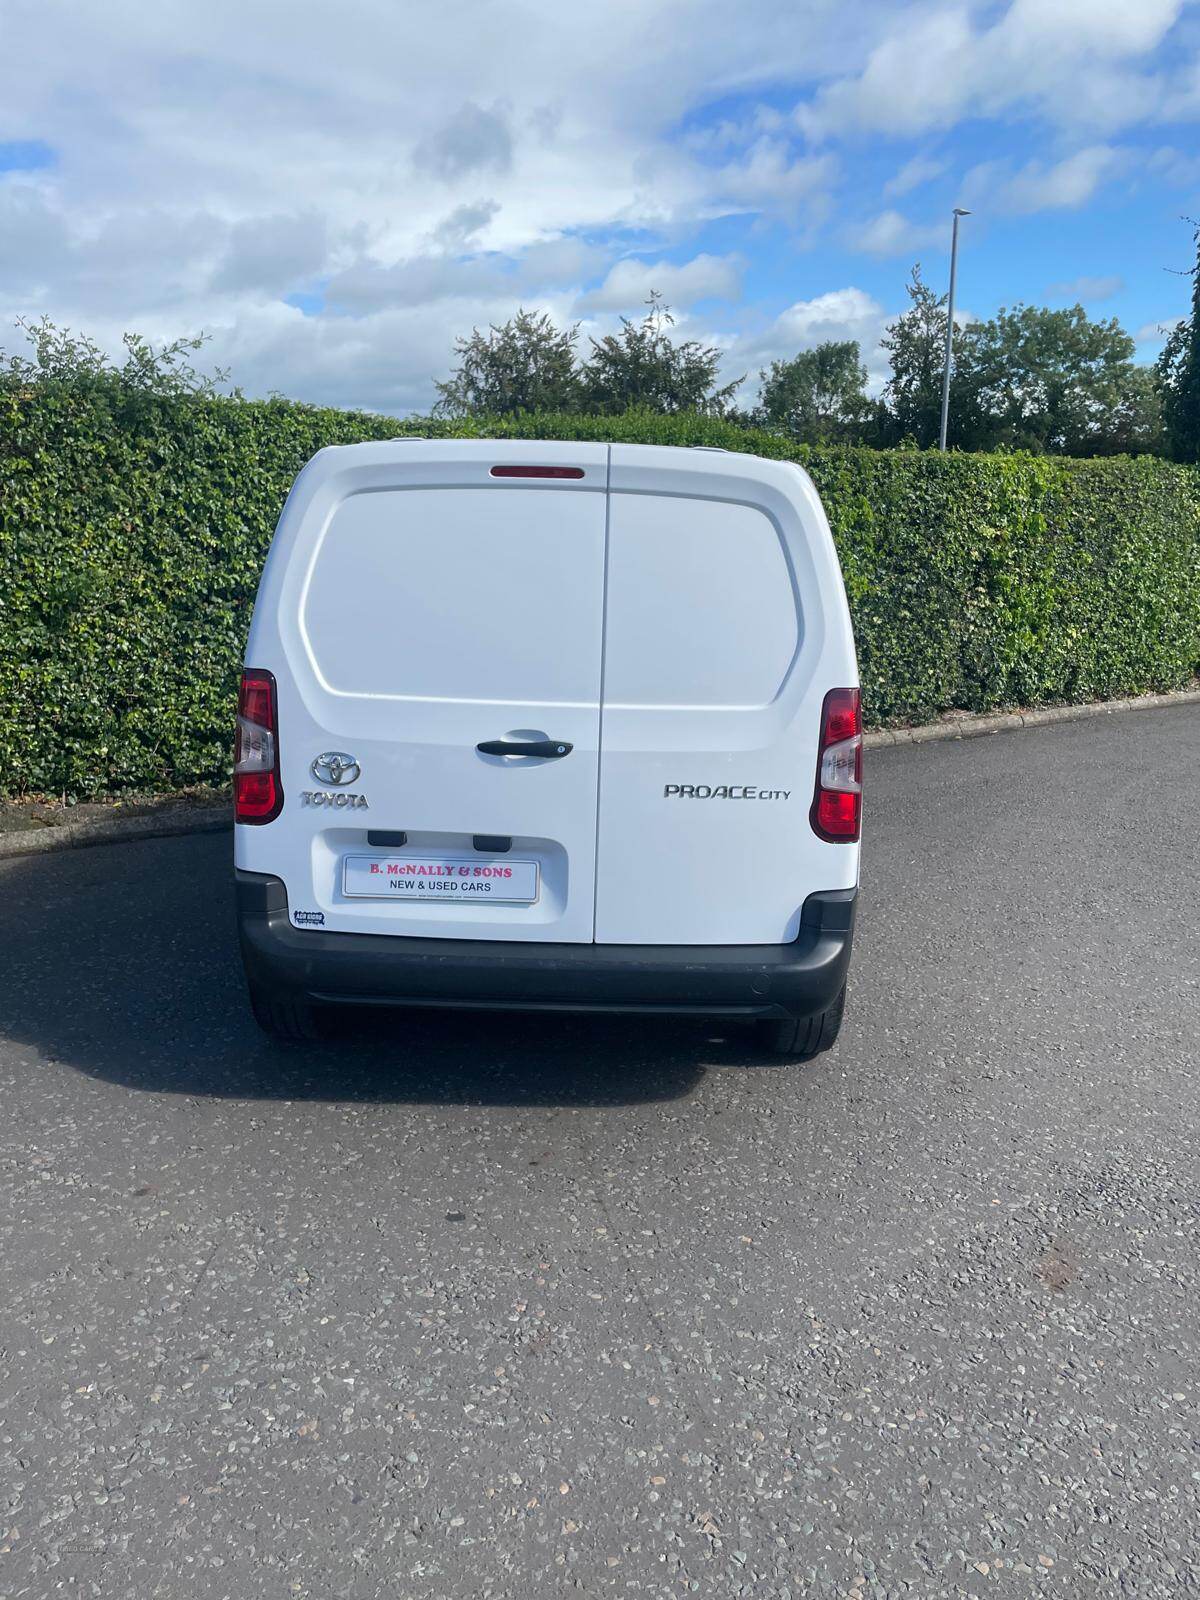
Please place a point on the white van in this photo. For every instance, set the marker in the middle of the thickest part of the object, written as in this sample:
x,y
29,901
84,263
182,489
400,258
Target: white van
x,y
550,726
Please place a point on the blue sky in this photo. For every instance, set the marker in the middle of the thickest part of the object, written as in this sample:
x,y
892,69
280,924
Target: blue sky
x,y
333,196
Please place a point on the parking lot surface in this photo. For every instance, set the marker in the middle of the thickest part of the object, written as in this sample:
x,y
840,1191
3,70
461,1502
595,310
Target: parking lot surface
x,y
461,1305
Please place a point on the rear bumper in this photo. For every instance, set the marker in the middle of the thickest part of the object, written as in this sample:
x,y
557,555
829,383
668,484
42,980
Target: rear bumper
x,y
791,980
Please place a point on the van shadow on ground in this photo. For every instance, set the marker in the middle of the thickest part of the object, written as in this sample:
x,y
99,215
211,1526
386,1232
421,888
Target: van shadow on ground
x,y
121,962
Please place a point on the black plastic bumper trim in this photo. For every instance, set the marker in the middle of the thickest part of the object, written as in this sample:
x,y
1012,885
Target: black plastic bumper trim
x,y
796,980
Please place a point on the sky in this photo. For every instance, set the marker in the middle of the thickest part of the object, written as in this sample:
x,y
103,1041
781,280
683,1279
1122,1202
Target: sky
x,y
333,192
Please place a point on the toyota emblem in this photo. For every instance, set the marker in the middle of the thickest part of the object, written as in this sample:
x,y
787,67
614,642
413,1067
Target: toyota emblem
x,y
336,768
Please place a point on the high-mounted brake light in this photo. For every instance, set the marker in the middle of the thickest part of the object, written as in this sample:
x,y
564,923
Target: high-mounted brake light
x,y
537,472
257,791
836,812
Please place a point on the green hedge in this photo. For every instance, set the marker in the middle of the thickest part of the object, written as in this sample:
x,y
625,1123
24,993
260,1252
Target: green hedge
x,y
132,531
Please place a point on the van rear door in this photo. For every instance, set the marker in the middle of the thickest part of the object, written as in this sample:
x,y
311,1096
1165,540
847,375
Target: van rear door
x,y
726,624
422,608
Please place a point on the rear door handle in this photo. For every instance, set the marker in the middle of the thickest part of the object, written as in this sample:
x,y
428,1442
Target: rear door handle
x,y
548,749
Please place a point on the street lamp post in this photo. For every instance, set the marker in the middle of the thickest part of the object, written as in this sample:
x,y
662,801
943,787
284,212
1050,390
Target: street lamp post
x,y
958,212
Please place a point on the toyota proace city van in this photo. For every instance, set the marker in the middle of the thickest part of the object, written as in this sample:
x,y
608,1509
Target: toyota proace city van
x,y
550,726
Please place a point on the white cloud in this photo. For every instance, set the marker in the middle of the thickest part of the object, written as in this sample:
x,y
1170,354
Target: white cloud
x,y
1043,186
627,287
461,229
379,362
1156,332
212,161
554,265
53,260
912,80
840,314
428,168
769,176
474,139
913,174
273,252
1076,62
1069,182
1086,288
1181,95
892,234
418,281
1178,167
1105,28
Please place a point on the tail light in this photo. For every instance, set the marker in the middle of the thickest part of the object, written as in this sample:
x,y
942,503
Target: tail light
x,y
257,791
836,812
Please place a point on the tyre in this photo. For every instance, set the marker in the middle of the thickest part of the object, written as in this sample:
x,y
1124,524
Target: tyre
x,y
282,1017
802,1040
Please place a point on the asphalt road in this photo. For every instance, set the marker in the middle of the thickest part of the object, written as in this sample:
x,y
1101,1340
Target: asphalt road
x,y
475,1306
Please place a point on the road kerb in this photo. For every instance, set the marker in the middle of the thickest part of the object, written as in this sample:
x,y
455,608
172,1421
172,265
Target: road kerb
x,y
115,830
211,819
1010,721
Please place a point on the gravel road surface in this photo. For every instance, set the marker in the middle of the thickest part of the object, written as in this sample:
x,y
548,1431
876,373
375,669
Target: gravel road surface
x,y
465,1306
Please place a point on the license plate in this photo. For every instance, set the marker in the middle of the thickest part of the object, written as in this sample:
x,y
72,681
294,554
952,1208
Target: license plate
x,y
444,879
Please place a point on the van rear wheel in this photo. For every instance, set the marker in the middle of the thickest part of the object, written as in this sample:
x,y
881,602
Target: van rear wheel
x,y
282,1017
802,1040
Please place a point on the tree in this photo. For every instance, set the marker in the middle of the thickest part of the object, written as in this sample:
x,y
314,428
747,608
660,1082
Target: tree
x,y
63,357
1135,424
528,364
1178,371
819,395
1036,379
916,344
1027,379
643,366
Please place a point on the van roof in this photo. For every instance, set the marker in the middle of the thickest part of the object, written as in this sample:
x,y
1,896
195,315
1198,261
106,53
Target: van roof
x,y
505,447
